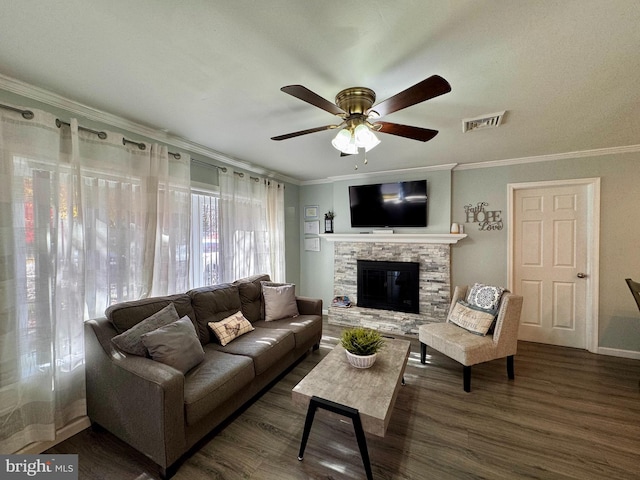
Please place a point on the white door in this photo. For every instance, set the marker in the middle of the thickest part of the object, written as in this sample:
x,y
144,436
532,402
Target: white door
x,y
551,244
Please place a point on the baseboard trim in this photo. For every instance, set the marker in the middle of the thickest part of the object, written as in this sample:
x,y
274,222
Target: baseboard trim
x,y
617,352
63,434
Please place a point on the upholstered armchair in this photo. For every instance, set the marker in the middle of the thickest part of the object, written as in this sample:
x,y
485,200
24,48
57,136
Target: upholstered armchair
x,y
470,348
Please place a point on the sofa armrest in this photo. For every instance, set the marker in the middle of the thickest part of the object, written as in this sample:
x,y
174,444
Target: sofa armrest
x,y
309,306
137,399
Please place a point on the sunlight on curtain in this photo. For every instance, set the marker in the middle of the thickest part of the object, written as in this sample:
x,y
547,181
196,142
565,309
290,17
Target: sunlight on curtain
x,y
84,223
244,239
41,287
137,218
171,180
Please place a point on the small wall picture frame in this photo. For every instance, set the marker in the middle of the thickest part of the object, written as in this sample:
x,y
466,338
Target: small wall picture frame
x,y
312,244
312,227
310,212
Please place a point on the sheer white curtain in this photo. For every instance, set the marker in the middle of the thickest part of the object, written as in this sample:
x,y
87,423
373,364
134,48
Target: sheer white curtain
x,y
275,227
84,223
137,218
41,284
244,239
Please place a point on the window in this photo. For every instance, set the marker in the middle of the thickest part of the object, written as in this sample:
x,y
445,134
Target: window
x,y
204,239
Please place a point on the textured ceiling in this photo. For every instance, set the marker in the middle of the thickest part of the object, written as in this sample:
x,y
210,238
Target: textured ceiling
x,y
567,72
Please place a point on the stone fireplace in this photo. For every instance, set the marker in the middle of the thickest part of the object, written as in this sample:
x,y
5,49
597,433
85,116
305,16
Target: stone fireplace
x,y
431,252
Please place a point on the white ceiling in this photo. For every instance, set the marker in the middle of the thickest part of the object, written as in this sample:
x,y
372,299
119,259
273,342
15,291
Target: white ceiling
x,y
567,72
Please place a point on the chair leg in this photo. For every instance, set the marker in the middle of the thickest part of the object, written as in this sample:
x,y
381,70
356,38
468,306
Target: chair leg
x,y
423,352
466,375
510,367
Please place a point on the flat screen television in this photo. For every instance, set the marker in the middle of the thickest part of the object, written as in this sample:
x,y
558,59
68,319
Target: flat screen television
x,y
398,204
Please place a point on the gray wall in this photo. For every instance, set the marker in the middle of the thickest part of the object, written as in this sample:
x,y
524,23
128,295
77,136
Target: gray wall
x,y
482,256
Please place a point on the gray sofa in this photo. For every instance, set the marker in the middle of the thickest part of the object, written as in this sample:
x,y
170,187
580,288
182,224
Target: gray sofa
x,y
160,411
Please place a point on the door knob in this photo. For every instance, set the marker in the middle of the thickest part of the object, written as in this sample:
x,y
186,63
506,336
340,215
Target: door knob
x,y
581,275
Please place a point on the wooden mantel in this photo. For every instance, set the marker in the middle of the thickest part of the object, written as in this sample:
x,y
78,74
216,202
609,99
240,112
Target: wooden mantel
x,y
394,237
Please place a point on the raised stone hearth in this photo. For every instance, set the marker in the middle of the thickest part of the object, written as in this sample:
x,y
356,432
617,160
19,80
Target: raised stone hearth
x,y
434,274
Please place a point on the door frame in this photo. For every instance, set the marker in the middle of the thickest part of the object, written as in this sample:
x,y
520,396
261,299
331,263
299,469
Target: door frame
x,y
593,246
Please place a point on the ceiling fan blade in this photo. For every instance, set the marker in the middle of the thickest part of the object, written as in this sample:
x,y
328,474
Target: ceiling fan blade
x,y
431,87
407,131
304,132
306,95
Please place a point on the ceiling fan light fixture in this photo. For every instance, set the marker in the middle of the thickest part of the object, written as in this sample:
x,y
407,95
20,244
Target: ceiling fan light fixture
x,y
364,137
342,140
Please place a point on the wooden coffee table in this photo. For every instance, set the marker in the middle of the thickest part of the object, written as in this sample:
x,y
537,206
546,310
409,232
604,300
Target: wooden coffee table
x,y
366,396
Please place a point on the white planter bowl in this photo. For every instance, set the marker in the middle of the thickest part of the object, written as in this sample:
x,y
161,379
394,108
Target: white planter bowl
x,y
359,361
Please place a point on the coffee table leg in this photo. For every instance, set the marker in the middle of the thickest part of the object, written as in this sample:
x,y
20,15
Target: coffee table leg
x,y
352,413
311,412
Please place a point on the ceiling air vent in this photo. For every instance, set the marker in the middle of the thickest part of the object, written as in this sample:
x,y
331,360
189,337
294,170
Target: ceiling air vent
x,y
491,120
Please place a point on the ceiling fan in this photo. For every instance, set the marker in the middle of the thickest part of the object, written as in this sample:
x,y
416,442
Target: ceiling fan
x,y
360,117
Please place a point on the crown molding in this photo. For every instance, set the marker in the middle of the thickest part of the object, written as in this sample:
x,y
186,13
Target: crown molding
x,y
551,157
76,108
369,175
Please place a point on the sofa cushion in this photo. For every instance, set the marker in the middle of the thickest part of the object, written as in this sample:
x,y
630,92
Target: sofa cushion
x,y
212,304
230,328
475,320
305,328
125,315
130,341
176,344
265,346
250,291
279,300
214,381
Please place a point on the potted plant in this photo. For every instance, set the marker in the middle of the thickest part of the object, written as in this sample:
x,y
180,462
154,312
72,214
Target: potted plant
x,y
361,345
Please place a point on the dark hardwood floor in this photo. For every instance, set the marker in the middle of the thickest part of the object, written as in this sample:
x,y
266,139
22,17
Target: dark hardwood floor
x,y
568,414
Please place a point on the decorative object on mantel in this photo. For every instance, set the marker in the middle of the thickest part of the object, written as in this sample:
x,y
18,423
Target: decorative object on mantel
x,y
328,221
361,346
455,228
341,301
486,219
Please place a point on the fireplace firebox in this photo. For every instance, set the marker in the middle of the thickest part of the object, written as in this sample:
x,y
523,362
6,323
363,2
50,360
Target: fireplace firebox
x,y
389,285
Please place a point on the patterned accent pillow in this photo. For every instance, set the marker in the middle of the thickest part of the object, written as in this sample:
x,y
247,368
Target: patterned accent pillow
x,y
485,297
130,341
176,344
231,328
279,301
472,319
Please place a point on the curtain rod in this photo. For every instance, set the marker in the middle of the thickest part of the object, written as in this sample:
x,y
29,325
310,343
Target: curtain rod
x,y
28,114
208,165
101,135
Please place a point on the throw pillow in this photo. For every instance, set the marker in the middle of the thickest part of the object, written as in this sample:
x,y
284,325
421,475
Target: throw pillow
x,y
175,344
231,328
279,301
474,320
129,341
485,297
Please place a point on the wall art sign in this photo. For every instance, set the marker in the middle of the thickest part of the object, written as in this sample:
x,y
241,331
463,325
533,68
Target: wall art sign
x,y
486,219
